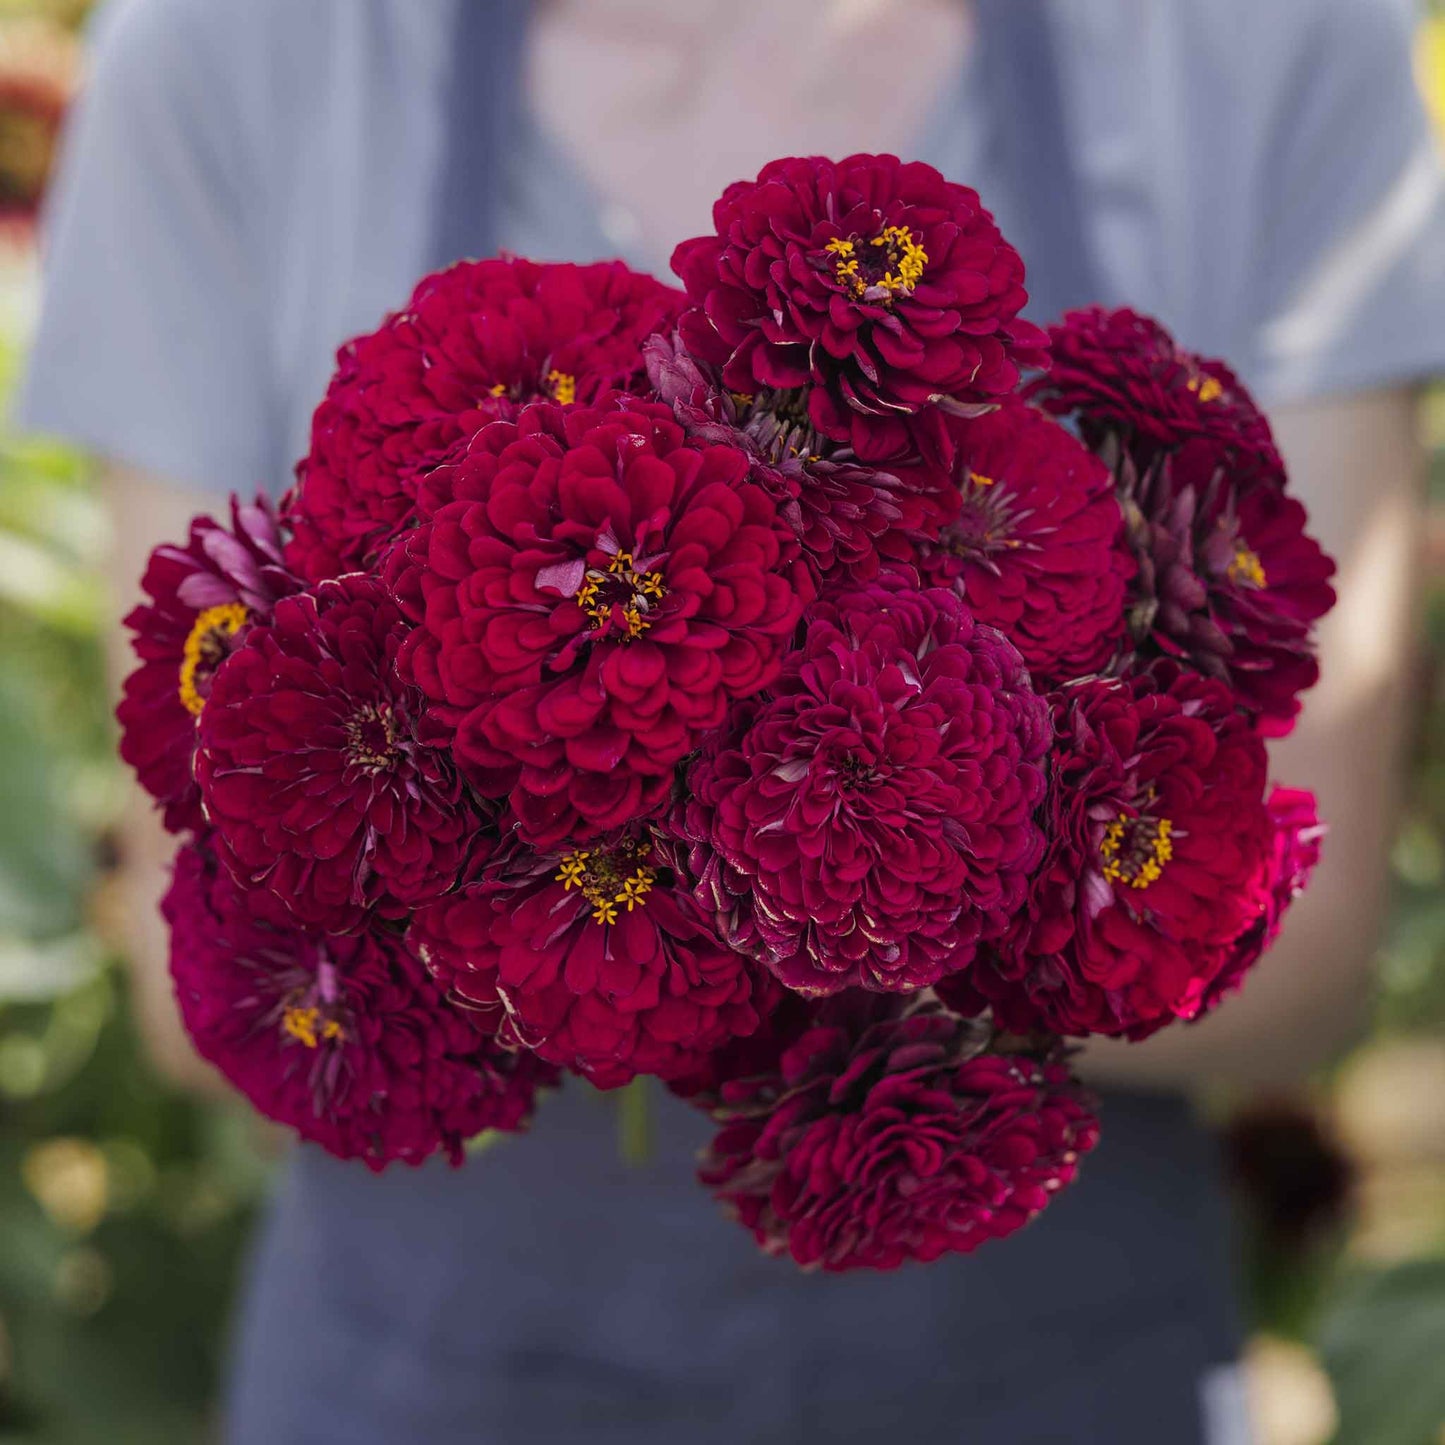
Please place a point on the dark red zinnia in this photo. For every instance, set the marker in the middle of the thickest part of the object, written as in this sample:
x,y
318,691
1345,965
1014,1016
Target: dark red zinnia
x,y
1036,545
872,820
884,1131
1158,841
316,768
1228,580
346,1040
593,590
472,344
1123,374
595,957
848,516
204,599
880,288
1297,839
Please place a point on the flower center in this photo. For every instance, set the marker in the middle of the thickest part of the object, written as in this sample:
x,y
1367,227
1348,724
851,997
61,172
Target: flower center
x,y
206,648
371,736
889,265
609,879
620,598
309,1025
1246,568
985,521
562,386
1206,388
1135,850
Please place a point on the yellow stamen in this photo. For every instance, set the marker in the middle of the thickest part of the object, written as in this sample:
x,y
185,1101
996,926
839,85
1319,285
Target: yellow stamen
x,y
645,588
609,881
204,646
904,263
979,480
1246,567
500,389
564,387
1207,388
1135,850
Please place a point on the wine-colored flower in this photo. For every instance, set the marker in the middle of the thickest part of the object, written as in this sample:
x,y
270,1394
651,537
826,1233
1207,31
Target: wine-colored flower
x,y
1228,580
344,1039
1036,546
204,598
1123,374
847,515
1297,840
879,289
872,820
885,1131
590,600
594,957
1158,843
472,344
317,770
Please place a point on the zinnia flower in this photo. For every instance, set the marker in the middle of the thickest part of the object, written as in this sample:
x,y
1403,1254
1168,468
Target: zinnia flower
x,y
590,601
847,515
1036,547
473,343
872,820
346,1040
884,1131
317,770
204,598
1297,840
880,288
594,957
1158,841
1123,374
1228,579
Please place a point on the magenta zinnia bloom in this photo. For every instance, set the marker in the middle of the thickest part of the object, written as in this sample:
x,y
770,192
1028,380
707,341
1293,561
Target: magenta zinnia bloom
x,y
594,957
848,516
1036,547
346,1040
879,289
884,1132
873,820
1158,841
473,343
1229,581
1295,853
594,594
204,598
316,768
1123,374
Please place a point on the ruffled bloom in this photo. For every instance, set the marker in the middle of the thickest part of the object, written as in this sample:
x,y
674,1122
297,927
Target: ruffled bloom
x,y
1123,374
847,515
1297,840
884,1131
1036,547
881,289
1158,842
596,958
316,768
1228,581
873,819
346,1040
592,592
474,343
204,599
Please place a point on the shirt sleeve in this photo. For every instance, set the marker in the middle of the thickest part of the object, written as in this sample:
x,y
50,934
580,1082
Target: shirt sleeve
x,y
152,343
1350,282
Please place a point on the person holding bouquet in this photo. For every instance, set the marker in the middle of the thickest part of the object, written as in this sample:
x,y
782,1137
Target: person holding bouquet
x,y
247,185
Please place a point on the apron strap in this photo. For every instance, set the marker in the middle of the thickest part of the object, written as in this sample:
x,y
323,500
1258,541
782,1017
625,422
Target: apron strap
x,y
482,113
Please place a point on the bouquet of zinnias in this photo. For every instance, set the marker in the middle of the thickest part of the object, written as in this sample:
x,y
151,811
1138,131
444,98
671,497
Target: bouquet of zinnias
x,y
817,688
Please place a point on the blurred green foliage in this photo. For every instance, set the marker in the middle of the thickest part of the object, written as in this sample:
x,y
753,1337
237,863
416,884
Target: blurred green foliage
x,y
123,1205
